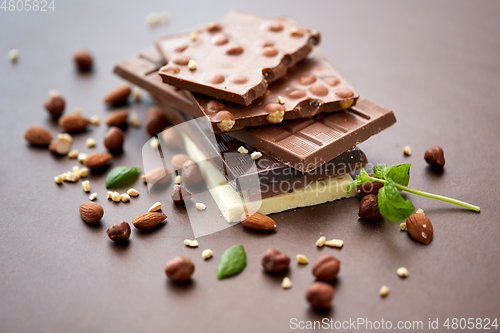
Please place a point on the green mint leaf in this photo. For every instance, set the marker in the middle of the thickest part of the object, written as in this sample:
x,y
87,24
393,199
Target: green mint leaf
x,y
232,261
379,171
399,173
391,204
362,178
122,176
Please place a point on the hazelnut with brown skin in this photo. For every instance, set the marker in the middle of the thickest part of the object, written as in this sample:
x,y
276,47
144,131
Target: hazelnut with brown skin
x,y
180,195
326,268
368,208
434,156
119,232
55,105
113,140
275,261
320,295
83,60
371,187
179,269
191,173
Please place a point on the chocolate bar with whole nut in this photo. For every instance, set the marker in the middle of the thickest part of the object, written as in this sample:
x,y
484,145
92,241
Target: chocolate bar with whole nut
x,y
303,144
237,58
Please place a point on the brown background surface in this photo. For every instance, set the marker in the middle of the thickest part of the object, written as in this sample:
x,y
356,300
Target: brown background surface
x,y
436,63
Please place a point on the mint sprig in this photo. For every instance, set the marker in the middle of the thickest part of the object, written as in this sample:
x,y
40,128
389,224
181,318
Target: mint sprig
x,y
396,178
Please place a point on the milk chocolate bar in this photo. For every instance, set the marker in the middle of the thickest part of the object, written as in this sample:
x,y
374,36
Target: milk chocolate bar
x,y
273,176
303,144
237,58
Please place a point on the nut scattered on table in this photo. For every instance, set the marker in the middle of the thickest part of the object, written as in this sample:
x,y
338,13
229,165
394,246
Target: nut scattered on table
x,y
136,95
117,95
320,295
179,269
420,228
115,196
200,206
119,232
83,172
148,220
91,212
207,254
402,272
90,142
155,207
407,150
86,186
335,243
113,139
117,118
275,261
302,259
191,173
55,105
384,291
326,268
158,176
133,192
178,160
321,241
286,283
81,157
402,226
97,160
13,55
38,136
124,197
78,111
95,120
434,156
62,145
73,153
134,120
180,195
371,187
93,196
172,139
191,243
368,208
257,221
83,60
73,122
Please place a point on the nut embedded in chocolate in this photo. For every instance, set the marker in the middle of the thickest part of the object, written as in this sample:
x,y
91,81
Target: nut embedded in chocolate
x,y
344,93
179,269
119,232
307,80
181,60
113,139
83,60
326,268
320,295
170,68
234,50
215,78
180,195
55,105
318,89
269,51
275,261
331,81
368,208
296,94
434,156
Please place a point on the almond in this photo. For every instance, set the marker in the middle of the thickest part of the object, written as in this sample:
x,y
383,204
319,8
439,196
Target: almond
x,y
117,118
62,145
257,221
118,94
91,212
38,136
148,220
178,160
158,176
420,228
74,122
97,160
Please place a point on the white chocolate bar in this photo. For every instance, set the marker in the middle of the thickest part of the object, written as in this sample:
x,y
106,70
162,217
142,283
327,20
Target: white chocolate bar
x,y
232,205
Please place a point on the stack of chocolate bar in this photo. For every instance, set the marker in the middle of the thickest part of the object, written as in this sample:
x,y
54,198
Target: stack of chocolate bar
x,y
260,86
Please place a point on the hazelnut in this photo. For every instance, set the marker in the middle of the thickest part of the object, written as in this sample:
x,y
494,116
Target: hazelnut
x,y
191,173
320,295
155,124
55,105
420,228
83,60
275,261
119,232
326,268
113,140
434,156
178,160
224,120
180,195
371,187
179,269
368,208
171,138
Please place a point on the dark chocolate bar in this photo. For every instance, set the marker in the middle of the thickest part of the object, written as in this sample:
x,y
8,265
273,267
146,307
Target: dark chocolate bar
x,y
237,58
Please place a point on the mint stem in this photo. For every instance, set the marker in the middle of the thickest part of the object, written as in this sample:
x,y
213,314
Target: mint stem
x,y
434,196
